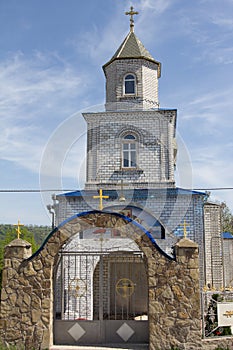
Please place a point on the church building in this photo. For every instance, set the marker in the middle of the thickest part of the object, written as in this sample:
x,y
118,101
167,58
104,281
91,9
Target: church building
x,y
129,253
131,155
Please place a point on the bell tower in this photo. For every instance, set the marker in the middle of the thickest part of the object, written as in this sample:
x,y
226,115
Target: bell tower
x,y
133,140
132,75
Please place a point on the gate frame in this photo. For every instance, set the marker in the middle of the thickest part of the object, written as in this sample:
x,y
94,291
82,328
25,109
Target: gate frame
x,y
105,330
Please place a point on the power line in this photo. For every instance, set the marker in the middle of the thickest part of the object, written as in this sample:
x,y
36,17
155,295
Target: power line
x,y
34,190
72,190
213,189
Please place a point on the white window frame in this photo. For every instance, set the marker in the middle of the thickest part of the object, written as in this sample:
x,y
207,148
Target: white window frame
x,y
129,148
130,80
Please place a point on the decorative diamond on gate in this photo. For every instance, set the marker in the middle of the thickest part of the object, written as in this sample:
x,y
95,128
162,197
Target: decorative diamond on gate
x,y
125,332
76,331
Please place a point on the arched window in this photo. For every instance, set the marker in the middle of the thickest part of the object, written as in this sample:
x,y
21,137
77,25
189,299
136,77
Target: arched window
x,y
130,84
129,151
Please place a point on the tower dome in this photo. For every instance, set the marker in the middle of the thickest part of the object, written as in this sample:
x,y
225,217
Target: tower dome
x,y
132,75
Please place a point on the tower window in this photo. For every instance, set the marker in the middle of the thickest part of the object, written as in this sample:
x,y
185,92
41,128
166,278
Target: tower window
x,y
129,151
130,84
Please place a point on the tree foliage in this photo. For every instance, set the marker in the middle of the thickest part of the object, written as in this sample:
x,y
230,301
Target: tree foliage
x,y
32,234
227,219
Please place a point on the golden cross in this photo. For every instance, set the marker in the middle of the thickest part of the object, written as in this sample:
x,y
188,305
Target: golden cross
x,y
122,197
100,197
185,229
18,228
131,13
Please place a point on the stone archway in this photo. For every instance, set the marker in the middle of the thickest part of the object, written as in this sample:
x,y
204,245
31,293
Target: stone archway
x,y
27,294
93,303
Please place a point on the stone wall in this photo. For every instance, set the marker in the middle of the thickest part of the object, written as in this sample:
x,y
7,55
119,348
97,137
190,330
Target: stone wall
x,y
27,293
174,300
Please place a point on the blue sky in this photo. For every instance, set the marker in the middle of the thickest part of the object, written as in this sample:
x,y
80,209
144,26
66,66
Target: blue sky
x,y
50,69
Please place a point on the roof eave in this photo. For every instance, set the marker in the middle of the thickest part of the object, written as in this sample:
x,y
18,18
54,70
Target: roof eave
x,y
128,58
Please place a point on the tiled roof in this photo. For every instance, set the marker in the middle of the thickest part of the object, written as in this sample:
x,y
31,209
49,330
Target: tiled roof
x,y
132,48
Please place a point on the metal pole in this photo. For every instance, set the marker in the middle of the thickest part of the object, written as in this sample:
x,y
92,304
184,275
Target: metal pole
x,y
101,314
62,288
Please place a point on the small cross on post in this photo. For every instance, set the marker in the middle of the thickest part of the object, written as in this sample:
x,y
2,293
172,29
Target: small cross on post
x,y
185,229
131,13
100,197
18,228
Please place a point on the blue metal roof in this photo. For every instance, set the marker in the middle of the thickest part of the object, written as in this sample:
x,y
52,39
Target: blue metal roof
x,y
137,193
227,235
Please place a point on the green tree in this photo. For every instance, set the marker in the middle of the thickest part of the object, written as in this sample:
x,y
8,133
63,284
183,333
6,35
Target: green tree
x,y
39,232
227,218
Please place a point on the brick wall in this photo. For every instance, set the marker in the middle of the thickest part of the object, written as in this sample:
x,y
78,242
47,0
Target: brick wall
x,y
213,245
154,131
147,84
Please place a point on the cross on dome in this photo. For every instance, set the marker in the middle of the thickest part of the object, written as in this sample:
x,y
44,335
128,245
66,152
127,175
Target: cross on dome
x,y
131,13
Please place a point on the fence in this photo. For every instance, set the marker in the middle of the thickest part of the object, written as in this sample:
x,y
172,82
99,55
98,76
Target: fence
x,y
217,313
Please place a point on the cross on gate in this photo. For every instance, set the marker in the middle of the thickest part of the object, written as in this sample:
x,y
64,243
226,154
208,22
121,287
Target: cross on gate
x,y
18,228
122,197
100,197
131,13
185,229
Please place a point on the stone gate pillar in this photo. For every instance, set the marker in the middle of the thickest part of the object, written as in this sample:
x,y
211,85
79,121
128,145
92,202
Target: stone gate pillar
x,y
174,299
189,316
10,316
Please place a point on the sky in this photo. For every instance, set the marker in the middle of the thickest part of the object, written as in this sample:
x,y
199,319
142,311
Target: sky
x,y
51,57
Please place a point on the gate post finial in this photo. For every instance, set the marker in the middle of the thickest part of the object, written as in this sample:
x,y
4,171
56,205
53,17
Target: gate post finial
x,y
18,228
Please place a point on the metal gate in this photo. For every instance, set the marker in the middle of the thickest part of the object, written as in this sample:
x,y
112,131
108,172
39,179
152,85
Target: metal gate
x,y
100,298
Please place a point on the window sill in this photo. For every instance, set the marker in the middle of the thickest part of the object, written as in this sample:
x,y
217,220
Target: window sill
x,y
129,96
129,170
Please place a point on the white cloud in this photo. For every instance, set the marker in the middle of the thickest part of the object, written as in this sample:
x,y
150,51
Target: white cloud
x,y
215,173
27,81
222,21
35,92
100,43
210,29
212,167
206,110
159,6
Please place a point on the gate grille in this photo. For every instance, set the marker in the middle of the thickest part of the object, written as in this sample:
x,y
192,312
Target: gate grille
x,y
101,286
